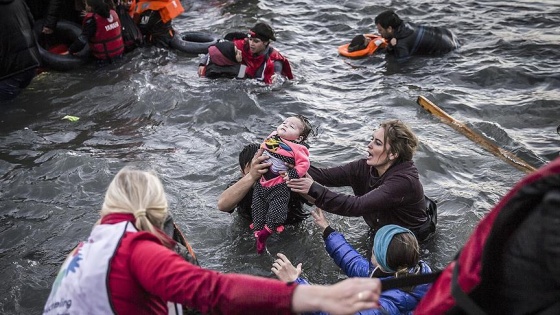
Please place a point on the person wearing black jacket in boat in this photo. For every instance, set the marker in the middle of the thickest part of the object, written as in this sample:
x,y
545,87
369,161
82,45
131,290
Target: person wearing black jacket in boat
x,y
131,34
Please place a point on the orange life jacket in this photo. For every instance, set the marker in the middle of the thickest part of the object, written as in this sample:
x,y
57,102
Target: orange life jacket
x,y
168,9
375,42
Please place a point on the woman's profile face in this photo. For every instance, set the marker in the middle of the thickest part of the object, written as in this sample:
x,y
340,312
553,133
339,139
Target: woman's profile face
x,y
377,149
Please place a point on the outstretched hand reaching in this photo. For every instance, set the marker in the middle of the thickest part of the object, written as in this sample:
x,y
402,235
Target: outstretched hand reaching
x,y
284,270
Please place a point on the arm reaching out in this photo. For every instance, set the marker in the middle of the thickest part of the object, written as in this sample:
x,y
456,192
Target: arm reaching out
x,y
284,270
344,298
320,219
300,185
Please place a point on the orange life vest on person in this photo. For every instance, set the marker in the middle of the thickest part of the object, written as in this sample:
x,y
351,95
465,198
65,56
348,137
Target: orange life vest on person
x,y
131,7
107,42
168,9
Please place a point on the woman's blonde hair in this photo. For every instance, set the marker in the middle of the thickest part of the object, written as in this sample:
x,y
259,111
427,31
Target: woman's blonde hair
x,y
139,193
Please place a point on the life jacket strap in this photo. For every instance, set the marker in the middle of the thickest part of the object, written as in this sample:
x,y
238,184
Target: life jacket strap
x,y
461,298
408,281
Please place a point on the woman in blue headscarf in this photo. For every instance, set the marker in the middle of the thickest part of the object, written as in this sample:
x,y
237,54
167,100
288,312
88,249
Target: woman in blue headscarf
x,y
396,253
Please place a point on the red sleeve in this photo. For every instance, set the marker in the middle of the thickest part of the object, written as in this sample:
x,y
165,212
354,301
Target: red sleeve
x,y
301,157
164,273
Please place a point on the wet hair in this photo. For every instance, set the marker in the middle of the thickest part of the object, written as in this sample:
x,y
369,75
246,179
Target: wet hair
x,y
401,139
357,43
307,128
139,193
388,18
263,31
246,155
100,7
403,253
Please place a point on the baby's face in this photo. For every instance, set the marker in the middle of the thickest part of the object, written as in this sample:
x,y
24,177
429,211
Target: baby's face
x,y
291,129
238,55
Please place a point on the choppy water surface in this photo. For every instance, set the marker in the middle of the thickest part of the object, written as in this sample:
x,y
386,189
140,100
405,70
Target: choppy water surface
x,y
153,111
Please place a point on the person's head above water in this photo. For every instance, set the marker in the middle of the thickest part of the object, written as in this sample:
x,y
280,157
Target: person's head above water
x,y
98,6
246,156
387,23
295,128
359,42
224,53
392,143
263,32
395,249
260,36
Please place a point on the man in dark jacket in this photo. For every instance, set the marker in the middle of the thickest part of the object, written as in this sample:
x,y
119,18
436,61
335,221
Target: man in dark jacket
x,y
239,193
19,57
46,10
407,39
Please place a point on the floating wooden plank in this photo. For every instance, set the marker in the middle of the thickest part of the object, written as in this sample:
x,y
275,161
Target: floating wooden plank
x,y
475,137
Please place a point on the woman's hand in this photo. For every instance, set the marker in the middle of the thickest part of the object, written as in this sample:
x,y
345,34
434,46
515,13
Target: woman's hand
x,y
352,295
284,270
319,218
343,298
300,185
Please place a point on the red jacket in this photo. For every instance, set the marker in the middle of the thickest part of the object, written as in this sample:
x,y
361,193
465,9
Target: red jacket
x,y
107,42
487,245
261,67
144,274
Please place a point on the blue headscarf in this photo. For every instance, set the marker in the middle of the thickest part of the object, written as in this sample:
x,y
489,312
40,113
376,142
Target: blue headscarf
x,y
381,243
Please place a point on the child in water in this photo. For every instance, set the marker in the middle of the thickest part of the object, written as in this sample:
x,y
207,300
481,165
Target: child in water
x,y
285,145
222,61
395,254
359,42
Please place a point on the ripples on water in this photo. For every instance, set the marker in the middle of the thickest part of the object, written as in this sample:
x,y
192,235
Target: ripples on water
x,y
153,111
